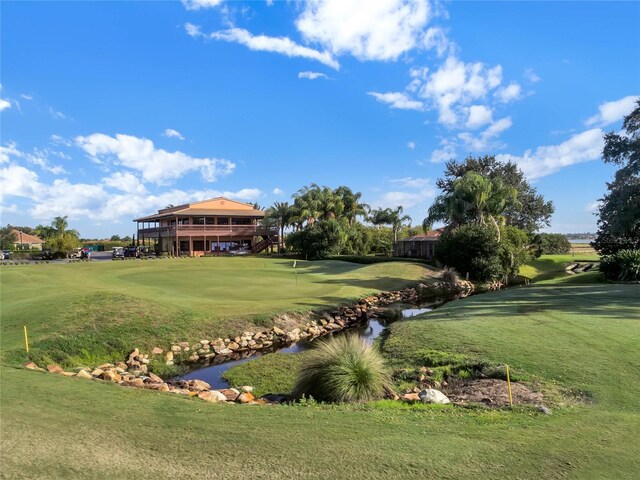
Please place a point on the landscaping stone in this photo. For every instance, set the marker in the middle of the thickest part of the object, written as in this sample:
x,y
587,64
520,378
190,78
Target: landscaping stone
x,y
157,351
231,394
246,397
54,368
111,375
431,395
153,378
31,366
199,385
96,372
410,398
84,374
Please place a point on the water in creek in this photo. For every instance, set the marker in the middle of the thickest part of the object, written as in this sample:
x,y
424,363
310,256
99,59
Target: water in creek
x,y
369,332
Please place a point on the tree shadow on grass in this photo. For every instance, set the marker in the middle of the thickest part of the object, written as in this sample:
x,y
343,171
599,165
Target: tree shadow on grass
x,y
619,302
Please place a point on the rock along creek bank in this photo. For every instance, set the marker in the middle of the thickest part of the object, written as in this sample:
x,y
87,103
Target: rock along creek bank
x,y
223,353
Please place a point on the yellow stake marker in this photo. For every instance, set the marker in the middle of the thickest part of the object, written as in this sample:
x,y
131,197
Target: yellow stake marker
x,y
26,338
509,387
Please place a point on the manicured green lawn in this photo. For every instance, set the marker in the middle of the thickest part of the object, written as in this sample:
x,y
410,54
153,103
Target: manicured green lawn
x,y
551,269
87,313
585,338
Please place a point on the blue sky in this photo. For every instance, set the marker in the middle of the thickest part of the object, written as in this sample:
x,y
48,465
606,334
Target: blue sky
x,y
112,110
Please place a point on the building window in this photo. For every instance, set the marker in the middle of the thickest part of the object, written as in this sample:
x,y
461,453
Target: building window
x,y
183,221
210,220
198,220
241,221
223,221
198,245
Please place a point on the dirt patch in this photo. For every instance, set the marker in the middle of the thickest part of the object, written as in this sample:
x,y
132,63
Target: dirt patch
x,y
491,392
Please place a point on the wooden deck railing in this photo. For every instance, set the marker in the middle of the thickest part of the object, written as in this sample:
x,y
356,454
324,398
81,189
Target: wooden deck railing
x,y
209,230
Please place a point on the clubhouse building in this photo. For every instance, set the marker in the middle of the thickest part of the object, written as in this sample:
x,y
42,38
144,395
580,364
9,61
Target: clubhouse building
x,y
218,225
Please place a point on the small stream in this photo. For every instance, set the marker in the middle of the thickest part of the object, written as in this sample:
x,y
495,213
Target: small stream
x,y
368,331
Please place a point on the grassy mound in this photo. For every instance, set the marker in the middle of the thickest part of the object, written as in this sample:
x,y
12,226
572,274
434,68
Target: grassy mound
x,y
90,313
342,369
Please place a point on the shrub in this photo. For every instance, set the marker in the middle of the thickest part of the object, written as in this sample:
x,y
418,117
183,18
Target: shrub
x,y
342,369
623,266
551,244
471,248
474,249
317,241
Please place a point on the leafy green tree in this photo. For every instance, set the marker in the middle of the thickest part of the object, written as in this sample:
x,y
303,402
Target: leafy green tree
x,y
619,213
550,244
44,232
63,241
8,238
474,199
317,241
115,238
474,249
529,213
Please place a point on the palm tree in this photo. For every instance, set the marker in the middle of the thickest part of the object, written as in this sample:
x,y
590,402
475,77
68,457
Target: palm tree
x,y
397,220
352,207
281,212
473,199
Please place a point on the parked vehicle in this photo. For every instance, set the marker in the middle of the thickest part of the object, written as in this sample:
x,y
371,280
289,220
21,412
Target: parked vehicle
x,y
117,253
85,254
130,252
6,255
77,253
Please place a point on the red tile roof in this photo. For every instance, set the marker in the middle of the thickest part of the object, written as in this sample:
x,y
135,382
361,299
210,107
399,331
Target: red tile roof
x,y
22,237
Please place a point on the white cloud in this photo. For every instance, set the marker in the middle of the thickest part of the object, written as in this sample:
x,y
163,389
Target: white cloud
x,y
57,115
397,100
171,133
156,165
411,182
18,181
58,140
612,112
509,93
446,152
39,157
593,207
96,201
4,104
582,147
278,191
312,75
457,83
412,192
530,75
411,145
483,141
435,38
479,115
26,97
200,4
377,30
263,43
126,182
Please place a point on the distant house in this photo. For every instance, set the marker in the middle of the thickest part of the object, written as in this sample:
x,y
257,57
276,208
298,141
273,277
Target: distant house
x,y
24,241
217,225
418,246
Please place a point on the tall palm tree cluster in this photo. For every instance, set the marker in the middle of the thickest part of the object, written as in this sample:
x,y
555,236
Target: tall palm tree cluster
x,y
313,203
473,198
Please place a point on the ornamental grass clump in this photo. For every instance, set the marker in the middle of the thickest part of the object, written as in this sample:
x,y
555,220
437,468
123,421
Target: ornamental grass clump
x,y
342,369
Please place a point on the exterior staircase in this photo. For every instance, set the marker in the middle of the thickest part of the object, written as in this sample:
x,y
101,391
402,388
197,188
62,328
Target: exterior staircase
x,y
266,242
